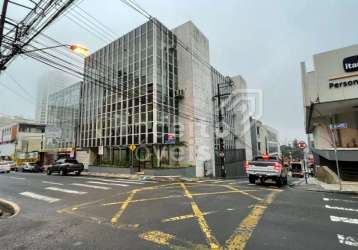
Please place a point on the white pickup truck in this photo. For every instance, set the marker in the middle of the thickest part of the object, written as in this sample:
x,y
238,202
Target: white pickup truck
x,y
267,167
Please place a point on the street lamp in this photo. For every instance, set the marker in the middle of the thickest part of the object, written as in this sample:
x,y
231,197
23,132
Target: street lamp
x,y
76,48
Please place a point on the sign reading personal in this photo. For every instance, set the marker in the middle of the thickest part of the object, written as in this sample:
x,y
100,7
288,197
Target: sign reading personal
x,y
350,64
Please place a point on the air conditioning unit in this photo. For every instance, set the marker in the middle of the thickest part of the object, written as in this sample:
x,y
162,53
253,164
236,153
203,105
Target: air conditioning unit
x,y
179,93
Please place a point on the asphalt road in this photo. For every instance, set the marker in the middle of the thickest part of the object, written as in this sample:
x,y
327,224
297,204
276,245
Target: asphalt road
x,y
69,212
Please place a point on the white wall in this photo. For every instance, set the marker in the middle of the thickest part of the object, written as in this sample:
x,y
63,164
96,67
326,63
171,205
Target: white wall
x,y
195,110
327,67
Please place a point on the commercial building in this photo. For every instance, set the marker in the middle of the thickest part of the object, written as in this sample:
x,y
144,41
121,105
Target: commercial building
x,y
49,83
23,140
62,130
151,88
264,139
330,93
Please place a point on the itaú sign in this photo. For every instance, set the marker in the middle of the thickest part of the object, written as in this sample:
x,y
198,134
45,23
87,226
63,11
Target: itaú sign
x,y
336,84
350,64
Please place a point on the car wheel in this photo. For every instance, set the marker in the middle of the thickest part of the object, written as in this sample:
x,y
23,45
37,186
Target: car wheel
x,y
48,172
262,181
78,173
279,182
252,179
62,172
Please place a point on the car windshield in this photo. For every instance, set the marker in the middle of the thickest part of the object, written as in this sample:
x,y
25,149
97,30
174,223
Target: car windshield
x,y
260,158
72,161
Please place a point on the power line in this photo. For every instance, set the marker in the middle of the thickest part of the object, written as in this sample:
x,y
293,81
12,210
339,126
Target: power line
x,y
19,85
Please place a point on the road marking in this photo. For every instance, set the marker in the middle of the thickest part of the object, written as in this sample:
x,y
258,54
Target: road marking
x,y
52,183
40,197
108,184
342,208
243,233
68,191
17,178
91,186
116,217
184,217
213,242
343,219
157,237
347,240
243,192
115,181
347,201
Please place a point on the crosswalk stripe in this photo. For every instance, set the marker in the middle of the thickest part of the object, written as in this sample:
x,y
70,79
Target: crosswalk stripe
x,y
90,186
108,184
343,219
17,178
342,208
119,181
347,240
52,183
40,197
68,191
332,199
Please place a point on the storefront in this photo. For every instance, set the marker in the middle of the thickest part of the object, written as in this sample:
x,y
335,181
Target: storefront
x,y
330,95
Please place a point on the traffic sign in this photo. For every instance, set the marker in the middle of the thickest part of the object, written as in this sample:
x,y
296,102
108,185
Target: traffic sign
x,y
132,147
302,145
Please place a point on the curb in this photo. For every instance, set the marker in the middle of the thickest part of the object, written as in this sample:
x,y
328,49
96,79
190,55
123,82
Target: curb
x,y
11,206
333,191
141,177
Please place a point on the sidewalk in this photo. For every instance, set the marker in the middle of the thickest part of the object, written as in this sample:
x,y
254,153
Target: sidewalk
x,y
316,185
124,174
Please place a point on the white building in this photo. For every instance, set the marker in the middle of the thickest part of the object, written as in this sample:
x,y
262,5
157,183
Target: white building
x,y
330,94
264,139
49,83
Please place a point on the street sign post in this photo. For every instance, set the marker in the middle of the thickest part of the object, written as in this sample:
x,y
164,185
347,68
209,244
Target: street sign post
x,y
132,148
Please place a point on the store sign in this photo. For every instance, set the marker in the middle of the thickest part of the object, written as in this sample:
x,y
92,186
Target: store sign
x,y
339,125
169,138
336,84
350,64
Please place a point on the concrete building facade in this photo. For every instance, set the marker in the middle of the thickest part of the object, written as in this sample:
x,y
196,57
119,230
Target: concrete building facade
x,y
154,88
330,93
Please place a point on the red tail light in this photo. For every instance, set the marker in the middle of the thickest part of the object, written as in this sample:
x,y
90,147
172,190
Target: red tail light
x,y
246,166
277,167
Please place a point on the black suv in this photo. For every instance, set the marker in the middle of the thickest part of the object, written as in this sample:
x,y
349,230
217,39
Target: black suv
x,y
65,166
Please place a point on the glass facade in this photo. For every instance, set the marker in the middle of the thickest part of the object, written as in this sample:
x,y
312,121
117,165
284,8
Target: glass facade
x,y
228,112
63,114
128,95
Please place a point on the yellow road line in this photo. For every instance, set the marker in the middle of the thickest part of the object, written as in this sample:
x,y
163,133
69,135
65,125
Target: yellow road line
x,y
243,192
115,218
157,237
220,192
243,233
214,244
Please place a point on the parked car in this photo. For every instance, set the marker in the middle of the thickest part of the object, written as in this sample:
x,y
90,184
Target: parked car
x,y
65,166
4,167
32,167
267,167
297,169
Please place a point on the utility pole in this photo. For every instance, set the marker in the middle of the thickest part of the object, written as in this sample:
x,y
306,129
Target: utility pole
x,y
2,20
221,140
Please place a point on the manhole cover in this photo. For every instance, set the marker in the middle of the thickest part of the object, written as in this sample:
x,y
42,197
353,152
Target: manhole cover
x,y
8,209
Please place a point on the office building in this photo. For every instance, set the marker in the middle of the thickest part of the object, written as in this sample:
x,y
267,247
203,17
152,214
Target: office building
x,y
151,88
264,139
49,83
63,119
330,93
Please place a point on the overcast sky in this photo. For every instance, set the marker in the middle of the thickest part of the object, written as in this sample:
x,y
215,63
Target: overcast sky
x,y
264,41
